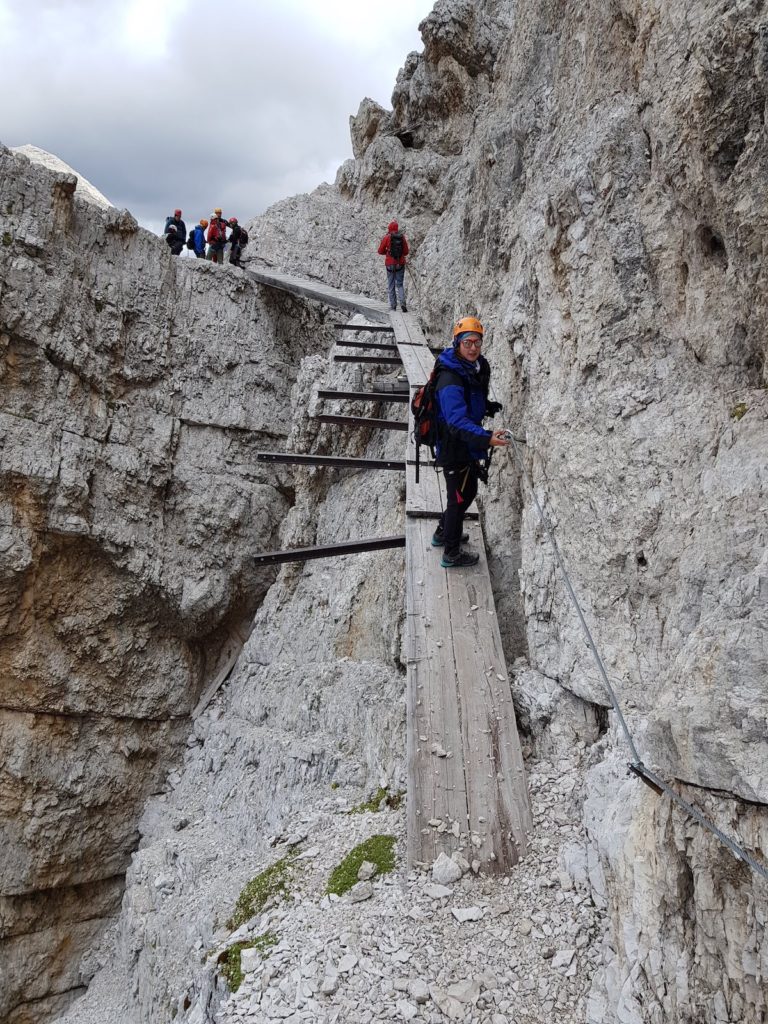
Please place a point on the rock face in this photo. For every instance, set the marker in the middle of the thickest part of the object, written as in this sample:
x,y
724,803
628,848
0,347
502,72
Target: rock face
x,y
590,180
597,196
135,390
85,190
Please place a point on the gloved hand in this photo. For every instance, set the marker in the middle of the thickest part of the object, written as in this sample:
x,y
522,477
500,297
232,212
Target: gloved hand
x,y
492,407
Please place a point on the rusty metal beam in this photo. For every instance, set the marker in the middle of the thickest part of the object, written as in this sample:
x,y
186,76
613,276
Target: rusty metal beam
x,y
351,547
362,421
391,360
377,328
367,396
332,461
379,346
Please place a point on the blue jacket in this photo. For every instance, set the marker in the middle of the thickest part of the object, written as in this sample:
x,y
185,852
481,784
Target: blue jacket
x,y
199,238
181,228
461,395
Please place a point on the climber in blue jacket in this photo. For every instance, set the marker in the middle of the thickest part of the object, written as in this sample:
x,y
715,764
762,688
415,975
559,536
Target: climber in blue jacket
x,y
463,446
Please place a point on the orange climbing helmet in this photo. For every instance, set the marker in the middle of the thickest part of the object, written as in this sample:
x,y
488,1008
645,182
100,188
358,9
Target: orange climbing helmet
x,y
468,325
203,223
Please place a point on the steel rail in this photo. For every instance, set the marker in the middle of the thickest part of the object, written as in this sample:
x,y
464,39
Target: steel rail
x,y
362,421
351,547
388,360
649,777
375,328
331,461
367,396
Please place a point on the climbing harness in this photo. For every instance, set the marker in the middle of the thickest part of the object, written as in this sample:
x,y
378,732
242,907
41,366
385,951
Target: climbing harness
x,y
636,766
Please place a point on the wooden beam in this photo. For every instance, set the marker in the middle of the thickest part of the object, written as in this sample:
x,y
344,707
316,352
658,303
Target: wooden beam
x,y
367,396
364,327
389,360
332,461
351,547
362,421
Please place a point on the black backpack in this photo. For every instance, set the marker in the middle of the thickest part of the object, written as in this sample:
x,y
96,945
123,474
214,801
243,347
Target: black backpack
x,y
424,409
191,239
243,239
396,245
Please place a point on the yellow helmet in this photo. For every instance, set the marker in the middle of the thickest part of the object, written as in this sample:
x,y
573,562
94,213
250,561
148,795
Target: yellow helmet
x,y
468,325
217,211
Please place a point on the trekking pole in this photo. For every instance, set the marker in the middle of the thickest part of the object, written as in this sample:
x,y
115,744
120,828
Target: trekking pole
x,y
414,282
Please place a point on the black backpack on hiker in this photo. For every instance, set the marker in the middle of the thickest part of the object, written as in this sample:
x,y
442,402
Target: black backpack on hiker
x,y
191,240
396,245
424,409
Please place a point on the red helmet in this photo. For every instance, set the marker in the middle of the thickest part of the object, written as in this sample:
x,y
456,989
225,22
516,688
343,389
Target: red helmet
x,y
233,220
392,226
177,213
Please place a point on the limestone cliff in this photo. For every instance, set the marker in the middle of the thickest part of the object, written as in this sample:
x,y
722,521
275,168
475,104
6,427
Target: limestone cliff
x,y
592,184
134,392
590,180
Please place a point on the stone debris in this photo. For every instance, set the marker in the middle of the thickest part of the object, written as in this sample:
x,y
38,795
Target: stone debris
x,y
445,870
464,914
360,891
366,871
437,892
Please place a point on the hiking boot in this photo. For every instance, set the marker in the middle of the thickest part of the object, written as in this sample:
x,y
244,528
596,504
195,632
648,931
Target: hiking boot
x,y
459,561
438,538
404,308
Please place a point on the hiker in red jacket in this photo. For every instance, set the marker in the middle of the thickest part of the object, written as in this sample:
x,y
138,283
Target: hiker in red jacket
x,y
394,246
217,237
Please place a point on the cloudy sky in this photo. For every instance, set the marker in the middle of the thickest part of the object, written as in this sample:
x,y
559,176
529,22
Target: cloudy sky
x,y
198,103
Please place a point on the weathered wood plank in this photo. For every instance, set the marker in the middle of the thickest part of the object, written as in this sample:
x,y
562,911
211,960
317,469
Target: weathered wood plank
x,y
417,363
320,292
456,664
436,783
497,797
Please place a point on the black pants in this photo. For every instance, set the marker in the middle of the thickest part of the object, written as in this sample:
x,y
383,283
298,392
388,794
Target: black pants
x,y
461,490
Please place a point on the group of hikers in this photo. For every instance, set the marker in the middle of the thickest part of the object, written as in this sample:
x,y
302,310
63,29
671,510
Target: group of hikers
x,y
458,389
207,239
457,396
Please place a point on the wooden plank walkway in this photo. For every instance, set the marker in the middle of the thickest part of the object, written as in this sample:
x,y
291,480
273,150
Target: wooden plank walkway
x,y
466,781
370,308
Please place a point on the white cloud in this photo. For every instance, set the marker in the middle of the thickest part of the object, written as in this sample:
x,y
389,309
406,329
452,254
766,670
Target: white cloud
x,y
165,103
147,25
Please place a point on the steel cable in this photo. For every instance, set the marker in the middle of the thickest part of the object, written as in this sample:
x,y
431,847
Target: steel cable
x,y
637,766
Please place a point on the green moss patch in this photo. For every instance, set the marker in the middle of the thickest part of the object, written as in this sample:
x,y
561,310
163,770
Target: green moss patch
x,y
7,239
273,881
392,801
380,850
231,966
739,410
